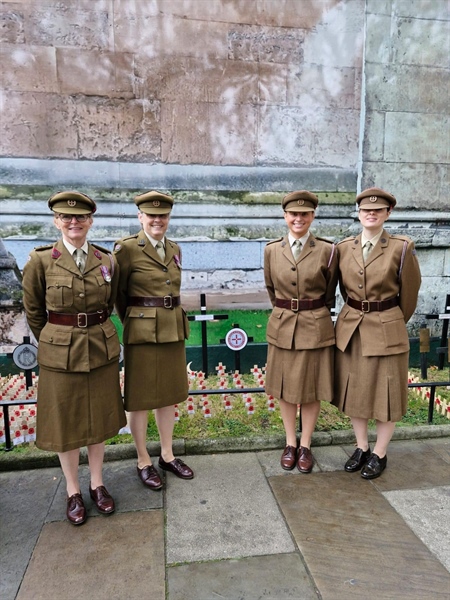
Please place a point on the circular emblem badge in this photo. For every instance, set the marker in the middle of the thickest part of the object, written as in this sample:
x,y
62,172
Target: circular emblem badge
x,y
373,198
25,356
300,202
71,203
236,339
156,202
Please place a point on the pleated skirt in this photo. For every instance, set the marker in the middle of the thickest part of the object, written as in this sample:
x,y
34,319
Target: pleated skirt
x,y
300,376
78,409
155,375
371,387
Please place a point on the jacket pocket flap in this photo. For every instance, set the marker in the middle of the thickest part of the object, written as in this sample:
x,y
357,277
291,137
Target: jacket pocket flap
x,y
57,281
57,336
142,312
108,328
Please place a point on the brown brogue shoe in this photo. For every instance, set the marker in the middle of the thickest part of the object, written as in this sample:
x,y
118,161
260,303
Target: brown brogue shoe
x,y
149,477
305,460
357,460
76,511
288,458
103,500
177,467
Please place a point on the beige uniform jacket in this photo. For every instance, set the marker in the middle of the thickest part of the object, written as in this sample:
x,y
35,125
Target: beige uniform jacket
x,y
313,275
382,333
52,281
144,273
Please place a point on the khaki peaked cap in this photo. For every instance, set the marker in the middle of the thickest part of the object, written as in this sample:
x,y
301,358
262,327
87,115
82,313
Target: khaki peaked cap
x,y
71,203
300,201
376,198
154,203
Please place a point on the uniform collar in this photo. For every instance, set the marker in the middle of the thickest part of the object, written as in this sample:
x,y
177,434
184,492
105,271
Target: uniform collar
x,y
303,239
71,249
153,242
373,241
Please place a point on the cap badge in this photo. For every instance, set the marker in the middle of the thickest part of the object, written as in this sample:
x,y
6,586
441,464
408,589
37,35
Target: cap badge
x,y
156,202
373,198
300,202
71,203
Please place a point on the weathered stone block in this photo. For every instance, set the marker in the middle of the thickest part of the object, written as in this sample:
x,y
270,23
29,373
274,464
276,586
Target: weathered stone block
x,y
286,13
64,23
112,76
374,136
301,136
379,7
265,44
37,125
328,86
378,44
12,30
28,69
152,36
198,80
207,133
116,129
425,9
412,184
416,137
406,88
337,41
420,41
431,262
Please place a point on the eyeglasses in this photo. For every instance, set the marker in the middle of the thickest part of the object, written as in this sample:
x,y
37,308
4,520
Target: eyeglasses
x,y
78,218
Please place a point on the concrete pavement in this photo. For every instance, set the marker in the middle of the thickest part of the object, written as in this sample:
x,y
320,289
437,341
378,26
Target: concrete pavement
x,y
242,529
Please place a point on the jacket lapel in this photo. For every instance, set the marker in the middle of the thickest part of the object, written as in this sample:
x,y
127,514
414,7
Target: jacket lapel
x,y
357,251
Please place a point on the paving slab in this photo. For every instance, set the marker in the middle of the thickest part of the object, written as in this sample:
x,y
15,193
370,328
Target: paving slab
x,y
427,512
413,464
279,577
226,511
441,446
121,480
25,498
354,543
119,556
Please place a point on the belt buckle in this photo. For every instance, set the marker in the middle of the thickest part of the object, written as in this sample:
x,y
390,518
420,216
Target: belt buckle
x,y
365,302
294,307
79,322
168,302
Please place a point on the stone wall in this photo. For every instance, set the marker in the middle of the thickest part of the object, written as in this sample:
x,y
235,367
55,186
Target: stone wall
x,y
227,105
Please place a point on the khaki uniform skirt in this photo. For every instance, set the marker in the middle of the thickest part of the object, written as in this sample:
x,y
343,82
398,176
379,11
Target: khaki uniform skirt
x,y
300,376
78,409
371,387
155,375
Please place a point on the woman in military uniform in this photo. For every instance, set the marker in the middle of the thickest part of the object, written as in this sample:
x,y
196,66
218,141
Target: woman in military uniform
x,y
69,291
154,333
301,282
379,278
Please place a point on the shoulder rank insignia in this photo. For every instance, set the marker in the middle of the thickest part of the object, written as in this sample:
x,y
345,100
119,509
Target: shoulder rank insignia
x,y
98,254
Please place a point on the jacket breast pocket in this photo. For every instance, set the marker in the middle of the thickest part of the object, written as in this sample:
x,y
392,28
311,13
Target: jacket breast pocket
x,y
103,290
111,339
54,349
140,326
59,292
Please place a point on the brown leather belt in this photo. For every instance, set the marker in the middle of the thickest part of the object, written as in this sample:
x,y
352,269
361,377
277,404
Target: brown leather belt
x,y
78,320
164,302
376,305
295,304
